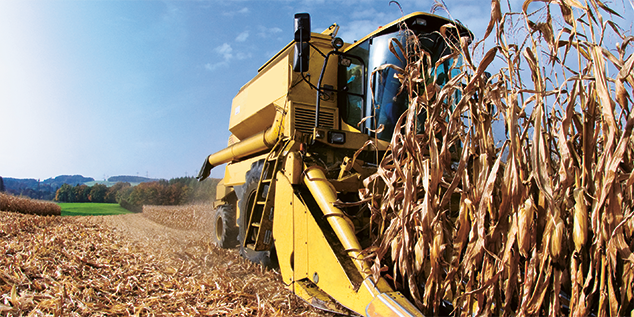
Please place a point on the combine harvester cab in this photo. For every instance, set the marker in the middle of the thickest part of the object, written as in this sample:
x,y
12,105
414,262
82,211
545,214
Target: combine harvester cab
x,y
306,132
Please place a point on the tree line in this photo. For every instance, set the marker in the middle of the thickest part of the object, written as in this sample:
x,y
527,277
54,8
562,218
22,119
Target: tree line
x,y
176,191
28,188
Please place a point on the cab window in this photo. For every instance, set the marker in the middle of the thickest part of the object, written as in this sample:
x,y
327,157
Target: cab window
x,y
352,83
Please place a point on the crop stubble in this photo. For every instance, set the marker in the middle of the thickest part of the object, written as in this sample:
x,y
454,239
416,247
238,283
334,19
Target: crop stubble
x,y
129,265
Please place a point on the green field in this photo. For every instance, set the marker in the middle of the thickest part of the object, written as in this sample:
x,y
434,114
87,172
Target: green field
x,y
91,209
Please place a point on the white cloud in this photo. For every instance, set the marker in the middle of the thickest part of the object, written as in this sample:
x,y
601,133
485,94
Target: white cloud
x,y
242,36
243,56
314,2
211,67
225,50
365,21
355,30
370,13
267,32
242,11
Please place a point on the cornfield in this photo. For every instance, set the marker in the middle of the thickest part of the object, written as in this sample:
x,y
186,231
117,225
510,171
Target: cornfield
x,y
29,206
539,222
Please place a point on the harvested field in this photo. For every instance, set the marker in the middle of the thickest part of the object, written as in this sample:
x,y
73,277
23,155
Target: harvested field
x,y
192,217
129,265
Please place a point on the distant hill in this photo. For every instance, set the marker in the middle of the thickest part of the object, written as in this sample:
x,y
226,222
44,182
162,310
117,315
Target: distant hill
x,y
29,187
10,183
130,179
68,179
46,189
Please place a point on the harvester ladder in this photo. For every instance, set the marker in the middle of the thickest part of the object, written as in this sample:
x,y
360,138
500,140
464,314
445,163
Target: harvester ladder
x,y
259,235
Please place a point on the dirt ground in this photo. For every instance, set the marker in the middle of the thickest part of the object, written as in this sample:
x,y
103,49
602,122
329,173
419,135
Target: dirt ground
x,y
161,262
156,237
157,233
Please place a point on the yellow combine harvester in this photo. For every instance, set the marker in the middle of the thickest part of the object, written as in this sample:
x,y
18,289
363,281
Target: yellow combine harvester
x,y
294,155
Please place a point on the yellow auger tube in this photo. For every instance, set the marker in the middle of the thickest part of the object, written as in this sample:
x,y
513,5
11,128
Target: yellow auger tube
x,y
260,142
385,301
325,195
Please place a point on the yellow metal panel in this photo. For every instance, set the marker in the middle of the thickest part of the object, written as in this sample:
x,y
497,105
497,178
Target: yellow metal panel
x,y
304,93
222,191
330,275
316,297
326,252
293,167
304,252
254,144
283,226
303,117
253,108
308,250
325,196
232,140
234,172
288,49
313,255
391,304
300,238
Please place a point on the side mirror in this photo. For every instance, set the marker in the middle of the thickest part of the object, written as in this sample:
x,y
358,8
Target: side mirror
x,y
302,27
302,36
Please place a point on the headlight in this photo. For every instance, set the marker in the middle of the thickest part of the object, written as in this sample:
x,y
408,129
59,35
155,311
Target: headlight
x,y
337,43
336,137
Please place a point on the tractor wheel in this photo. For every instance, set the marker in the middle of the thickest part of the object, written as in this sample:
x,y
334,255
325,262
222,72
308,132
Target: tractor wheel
x,y
224,227
266,258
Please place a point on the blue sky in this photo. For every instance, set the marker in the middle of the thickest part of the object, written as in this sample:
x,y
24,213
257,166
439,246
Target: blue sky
x,y
105,88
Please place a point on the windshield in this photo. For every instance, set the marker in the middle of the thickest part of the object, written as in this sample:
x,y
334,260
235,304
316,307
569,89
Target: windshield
x,y
385,103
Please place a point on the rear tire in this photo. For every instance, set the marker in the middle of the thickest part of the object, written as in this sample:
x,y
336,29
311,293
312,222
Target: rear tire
x,y
224,228
266,258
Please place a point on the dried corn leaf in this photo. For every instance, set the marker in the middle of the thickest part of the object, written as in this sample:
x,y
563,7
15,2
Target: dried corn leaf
x,y
567,150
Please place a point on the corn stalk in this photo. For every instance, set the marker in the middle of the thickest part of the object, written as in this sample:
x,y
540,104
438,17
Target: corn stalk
x,y
539,221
